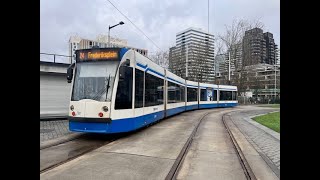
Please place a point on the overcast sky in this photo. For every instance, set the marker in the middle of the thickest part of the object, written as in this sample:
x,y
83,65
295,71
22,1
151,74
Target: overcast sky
x,y
160,20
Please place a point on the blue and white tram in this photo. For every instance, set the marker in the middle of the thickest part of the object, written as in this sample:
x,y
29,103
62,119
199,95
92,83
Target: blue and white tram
x,y
119,90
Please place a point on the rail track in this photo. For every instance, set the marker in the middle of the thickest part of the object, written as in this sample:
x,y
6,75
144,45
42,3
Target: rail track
x,y
173,173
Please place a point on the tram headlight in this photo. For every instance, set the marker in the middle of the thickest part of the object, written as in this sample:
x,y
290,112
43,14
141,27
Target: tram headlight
x,y
105,108
71,107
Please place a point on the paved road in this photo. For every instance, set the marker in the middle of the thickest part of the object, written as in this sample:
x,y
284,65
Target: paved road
x,y
151,152
62,152
146,154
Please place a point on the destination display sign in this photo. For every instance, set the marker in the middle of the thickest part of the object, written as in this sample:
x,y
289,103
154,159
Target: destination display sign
x,y
97,54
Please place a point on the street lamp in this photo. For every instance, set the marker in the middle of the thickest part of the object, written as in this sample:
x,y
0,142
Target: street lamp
x,y
110,27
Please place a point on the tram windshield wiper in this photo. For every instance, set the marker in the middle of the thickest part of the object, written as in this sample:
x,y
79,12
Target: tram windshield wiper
x,y
108,87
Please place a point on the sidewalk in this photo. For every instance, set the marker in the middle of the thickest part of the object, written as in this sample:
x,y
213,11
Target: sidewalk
x,y
50,116
264,140
53,129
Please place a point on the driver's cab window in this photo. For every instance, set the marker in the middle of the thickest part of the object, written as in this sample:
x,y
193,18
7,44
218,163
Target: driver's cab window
x,y
124,90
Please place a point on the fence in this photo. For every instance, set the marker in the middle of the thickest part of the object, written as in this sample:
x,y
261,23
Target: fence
x,y
259,100
55,58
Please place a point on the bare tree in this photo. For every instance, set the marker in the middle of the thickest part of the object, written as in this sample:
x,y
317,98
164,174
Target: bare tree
x,y
234,33
219,46
241,80
161,58
231,42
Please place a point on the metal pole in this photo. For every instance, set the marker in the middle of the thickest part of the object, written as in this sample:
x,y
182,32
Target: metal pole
x,y
109,37
275,82
229,66
208,16
54,58
187,62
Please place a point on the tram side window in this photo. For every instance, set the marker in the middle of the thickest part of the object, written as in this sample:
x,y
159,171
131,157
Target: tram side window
x,y
234,95
178,93
153,90
229,95
172,92
215,94
192,94
203,95
175,93
225,95
183,95
124,90
222,96
209,94
139,89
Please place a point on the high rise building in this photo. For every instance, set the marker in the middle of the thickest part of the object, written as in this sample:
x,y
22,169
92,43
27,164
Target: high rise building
x,y
278,57
254,47
270,48
258,47
193,56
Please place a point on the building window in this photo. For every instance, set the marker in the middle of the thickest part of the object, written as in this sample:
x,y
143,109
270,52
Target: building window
x,y
153,90
139,89
124,90
90,43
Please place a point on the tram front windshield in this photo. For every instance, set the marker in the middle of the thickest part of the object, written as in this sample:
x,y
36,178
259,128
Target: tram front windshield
x,y
94,80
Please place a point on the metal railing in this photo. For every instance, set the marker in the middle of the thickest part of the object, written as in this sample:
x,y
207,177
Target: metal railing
x,y
260,100
55,58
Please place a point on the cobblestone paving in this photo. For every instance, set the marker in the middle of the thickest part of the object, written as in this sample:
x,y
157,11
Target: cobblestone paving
x,y
261,140
53,129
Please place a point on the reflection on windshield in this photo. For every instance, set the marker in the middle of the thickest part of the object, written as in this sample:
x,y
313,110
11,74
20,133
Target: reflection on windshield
x,y
91,80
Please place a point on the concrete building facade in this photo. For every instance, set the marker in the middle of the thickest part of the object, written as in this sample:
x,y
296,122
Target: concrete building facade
x,y
258,47
193,55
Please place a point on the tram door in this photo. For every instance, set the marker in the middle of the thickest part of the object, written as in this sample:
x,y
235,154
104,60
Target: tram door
x,y
139,94
185,95
165,96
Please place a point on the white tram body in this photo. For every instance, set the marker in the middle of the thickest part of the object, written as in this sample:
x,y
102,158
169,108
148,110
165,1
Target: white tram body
x,y
119,90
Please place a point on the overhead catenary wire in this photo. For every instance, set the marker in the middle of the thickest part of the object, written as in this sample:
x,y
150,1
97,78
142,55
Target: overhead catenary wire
x,y
135,26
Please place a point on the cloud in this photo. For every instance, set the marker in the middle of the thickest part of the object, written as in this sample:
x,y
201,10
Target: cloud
x,y
160,20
